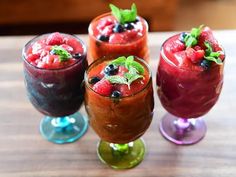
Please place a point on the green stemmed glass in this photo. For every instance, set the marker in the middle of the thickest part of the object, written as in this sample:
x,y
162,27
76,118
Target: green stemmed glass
x,y
116,120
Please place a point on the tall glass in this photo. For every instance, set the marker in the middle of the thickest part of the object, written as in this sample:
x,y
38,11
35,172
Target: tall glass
x,y
98,48
120,122
58,94
187,95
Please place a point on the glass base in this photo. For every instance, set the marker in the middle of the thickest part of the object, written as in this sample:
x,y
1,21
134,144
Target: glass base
x,y
64,129
182,131
121,156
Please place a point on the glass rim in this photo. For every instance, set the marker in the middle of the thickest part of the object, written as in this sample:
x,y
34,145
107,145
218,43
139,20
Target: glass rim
x,y
23,53
163,55
104,58
90,31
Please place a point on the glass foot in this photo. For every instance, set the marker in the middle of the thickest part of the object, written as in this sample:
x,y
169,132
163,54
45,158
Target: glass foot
x,y
182,131
64,129
121,156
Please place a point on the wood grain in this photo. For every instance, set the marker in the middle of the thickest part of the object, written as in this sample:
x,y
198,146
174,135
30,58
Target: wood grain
x,y
24,153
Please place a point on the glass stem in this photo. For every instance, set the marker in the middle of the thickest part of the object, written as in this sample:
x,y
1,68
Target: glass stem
x,y
61,122
121,149
182,125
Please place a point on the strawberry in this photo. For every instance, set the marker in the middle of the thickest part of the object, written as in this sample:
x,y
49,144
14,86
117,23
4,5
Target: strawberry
x,y
117,38
54,39
193,55
108,30
32,57
122,70
103,23
207,36
103,87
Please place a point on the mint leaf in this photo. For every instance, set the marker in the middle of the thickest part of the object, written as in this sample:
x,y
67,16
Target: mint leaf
x,y
212,56
191,39
138,67
129,61
63,54
115,11
126,15
119,61
117,79
216,60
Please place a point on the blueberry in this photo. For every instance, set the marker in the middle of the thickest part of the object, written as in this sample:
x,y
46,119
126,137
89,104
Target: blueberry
x,y
129,26
103,38
205,64
182,36
115,94
93,80
77,55
111,69
118,28
136,20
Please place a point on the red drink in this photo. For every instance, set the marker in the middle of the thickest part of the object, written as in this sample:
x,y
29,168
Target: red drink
x,y
188,84
108,37
117,113
54,66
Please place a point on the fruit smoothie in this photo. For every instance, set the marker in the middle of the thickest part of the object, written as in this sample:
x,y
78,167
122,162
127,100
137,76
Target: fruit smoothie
x,y
115,34
54,66
119,98
190,73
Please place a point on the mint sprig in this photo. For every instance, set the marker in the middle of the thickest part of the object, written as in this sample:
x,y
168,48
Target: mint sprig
x,y
191,39
126,15
211,55
63,54
135,71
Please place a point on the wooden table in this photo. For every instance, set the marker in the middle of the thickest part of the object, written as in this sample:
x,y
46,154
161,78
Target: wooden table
x,y
24,153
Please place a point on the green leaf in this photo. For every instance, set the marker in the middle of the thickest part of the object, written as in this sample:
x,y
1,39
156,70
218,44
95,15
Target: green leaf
x,y
115,11
126,15
119,61
117,79
63,54
191,39
216,60
138,67
212,56
129,61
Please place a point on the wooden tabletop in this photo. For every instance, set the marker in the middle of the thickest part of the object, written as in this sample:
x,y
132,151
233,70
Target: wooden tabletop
x,y
24,153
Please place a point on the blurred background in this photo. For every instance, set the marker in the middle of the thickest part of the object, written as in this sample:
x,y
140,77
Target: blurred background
x,y
24,17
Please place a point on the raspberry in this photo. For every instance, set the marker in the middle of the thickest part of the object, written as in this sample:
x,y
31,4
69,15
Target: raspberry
x,y
54,39
193,55
103,87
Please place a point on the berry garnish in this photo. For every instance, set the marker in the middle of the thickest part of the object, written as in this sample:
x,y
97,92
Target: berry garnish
x,y
124,16
129,26
103,38
77,55
205,64
118,28
54,39
116,94
93,80
135,70
103,87
182,36
111,69
63,54
193,55
191,39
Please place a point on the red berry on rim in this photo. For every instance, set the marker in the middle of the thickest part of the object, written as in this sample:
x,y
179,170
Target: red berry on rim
x,y
103,87
194,56
54,39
